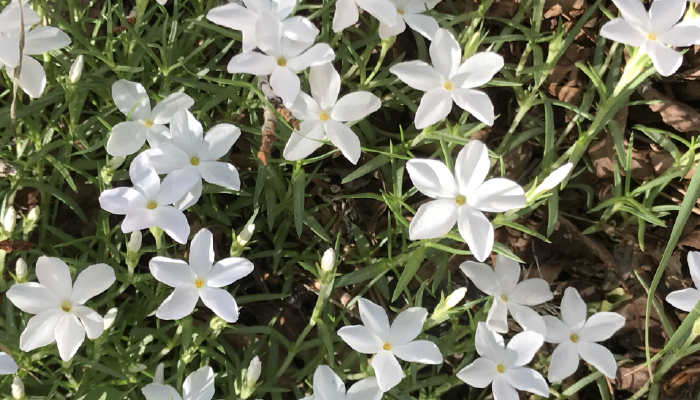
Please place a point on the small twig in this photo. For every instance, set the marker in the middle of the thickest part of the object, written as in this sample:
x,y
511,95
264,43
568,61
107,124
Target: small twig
x,y
18,70
268,127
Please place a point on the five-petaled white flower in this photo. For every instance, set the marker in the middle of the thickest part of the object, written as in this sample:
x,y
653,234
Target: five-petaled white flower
x,y
282,58
509,295
447,81
376,336
576,337
686,299
462,198
201,278
503,366
324,115
32,78
148,203
190,149
58,305
410,12
347,14
7,364
653,32
128,137
198,385
236,17
329,386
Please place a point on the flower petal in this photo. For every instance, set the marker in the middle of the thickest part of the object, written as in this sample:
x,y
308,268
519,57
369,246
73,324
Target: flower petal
x,y
475,102
154,391
70,334
508,273
138,219
599,357
634,12
218,141
471,167
305,141
199,385
286,85
327,384
476,230
176,184
190,198
432,178
621,31
434,106
163,112
92,322
497,318
32,78
419,351
489,344
445,53
202,253
306,108
120,200
387,369
565,361
53,273
221,302
9,54
299,29
10,17
33,298
144,177
502,389
171,272
229,270
418,75
557,331
173,222
601,326
167,158
325,85
179,304
531,292
382,10
8,365
665,59
527,318
407,325
346,14
220,173
355,106
479,373
361,339
681,35
187,132
483,277
386,31
694,267
126,138
366,389
344,139
423,24
665,14
573,310
522,348
433,219
318,54
128,95
40,330
91,282
44,38
478,70
252,63
528,380
375,319
685,299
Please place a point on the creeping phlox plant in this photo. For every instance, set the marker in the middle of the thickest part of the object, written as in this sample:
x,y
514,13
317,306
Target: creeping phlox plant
x,y
177,173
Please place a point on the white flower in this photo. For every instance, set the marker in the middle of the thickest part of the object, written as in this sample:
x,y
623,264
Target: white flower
x,y
10,220
37,41
298,29
503,366
509,295
189,149
555,178
447,81
110,317
76,70
410,12
135,241
159,376
21,269
376,336
653,32
461,198
254,370
347,14
456,297
329,386
7,364
58,305
198,385
686,299
282,58
577,336
17,388
324,115
148,203
146,123
328,260
201,278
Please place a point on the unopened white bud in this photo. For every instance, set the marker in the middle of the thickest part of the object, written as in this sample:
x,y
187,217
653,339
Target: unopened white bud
x,y
556,177
17,388
328,260
159,377
254,371
10,220
21,269
455,297
110,317
76,70
136,368
116,162
34,215
134,244
245,235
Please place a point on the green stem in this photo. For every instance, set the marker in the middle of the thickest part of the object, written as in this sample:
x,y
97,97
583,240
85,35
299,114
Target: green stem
x,y
158,236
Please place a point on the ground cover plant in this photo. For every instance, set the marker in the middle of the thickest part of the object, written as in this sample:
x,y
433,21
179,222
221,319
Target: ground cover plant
x,y
349,199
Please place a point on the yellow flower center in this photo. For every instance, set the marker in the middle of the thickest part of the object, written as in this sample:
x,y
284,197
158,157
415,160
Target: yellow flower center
x,y
504,298
387,346
199,283
148,123
400,11
194,160
151,205
448,85
461,200
66,306
651,36
574,337
501,368
323,116
281,62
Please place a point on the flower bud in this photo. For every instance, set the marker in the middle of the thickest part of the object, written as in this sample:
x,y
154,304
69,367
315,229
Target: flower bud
x,y
245,235
115,162
21,269
10,220
455,297
17,388
328,260
556,177
34,215
159,377
76,70
110,317
136,368
254,370
134,244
